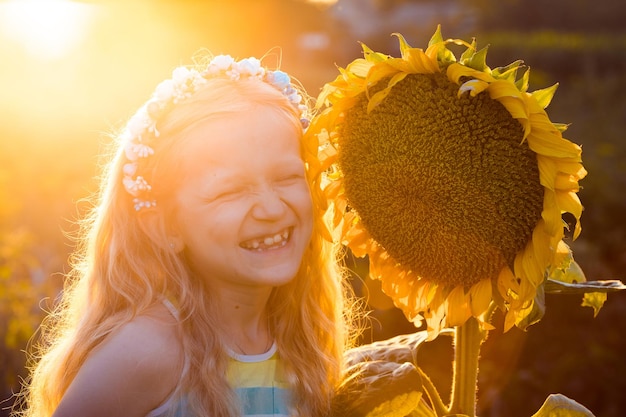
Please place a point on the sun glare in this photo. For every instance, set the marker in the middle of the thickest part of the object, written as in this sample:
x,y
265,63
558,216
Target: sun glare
x,y
46,29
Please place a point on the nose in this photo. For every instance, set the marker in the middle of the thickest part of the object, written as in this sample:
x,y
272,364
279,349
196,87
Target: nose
x,y
269,205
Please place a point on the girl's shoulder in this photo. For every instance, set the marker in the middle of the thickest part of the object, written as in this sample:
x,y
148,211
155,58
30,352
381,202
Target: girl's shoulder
x,y
153,340
152,334
131,372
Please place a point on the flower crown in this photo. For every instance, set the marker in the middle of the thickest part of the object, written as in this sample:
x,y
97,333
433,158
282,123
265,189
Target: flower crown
x,y
142,126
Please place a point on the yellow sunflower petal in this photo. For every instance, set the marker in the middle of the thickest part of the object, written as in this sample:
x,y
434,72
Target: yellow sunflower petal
x,y
569,202
509,320
421,62
473,86
571,167
359,68
435,317
526,265
518,110
480,297
508,287
380,96
384,70
502,88
456,71
553,146
551,214
458,307
541,245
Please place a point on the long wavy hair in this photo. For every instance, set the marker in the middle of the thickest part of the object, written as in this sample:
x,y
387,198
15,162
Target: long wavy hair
x,y
119,270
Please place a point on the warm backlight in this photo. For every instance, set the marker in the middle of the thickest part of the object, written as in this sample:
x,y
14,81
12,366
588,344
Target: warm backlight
x,y
46,29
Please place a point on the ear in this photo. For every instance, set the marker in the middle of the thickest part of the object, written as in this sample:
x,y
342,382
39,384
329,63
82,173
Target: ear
x,y
153,224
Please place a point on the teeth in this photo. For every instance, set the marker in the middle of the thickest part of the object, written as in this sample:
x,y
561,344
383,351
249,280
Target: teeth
x,y
279,239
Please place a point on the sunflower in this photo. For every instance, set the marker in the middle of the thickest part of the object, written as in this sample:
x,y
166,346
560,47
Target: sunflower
x,y
451,178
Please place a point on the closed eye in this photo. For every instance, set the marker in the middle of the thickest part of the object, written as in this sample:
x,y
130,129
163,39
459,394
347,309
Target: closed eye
x,y
291,179
226,194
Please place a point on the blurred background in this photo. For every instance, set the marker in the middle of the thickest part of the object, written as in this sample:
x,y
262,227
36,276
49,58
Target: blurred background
x,y
71,72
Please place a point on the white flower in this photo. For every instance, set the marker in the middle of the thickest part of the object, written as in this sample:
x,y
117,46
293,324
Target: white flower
x,y
139,203
220,63
129,151
165,90
279,79
154,108
223,62
134,151
180,75
143,151
295,98
136,185
233,74
142,184
129,185
139,123
198,80
130,169
250,66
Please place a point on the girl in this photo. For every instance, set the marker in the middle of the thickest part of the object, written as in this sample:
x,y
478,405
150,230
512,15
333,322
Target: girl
x,y
204,283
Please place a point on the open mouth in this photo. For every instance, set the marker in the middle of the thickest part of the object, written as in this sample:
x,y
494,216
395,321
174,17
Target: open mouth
x,y
273,241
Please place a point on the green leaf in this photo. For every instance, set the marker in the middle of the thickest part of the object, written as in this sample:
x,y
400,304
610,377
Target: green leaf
x,y
444,55
544,96
478,60
558,287
404,45
509,72
399,349
467,55
423,410
558,405
594,292
378,389
437,37
594,300
373,56
561,127
522,82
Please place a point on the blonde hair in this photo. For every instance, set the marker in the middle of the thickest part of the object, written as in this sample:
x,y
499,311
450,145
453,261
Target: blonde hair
x,y
119,272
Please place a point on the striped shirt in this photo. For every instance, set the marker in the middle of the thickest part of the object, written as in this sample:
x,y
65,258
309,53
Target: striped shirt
x,y
260,384
258,381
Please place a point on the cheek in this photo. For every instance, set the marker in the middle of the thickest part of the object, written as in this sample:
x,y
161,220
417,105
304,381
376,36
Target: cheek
x,y
306,213
301,199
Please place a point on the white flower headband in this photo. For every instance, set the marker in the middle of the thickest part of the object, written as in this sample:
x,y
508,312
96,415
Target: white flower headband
x,y
183,84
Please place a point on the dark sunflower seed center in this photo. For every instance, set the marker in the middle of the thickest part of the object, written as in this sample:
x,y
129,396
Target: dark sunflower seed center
x,y
443,183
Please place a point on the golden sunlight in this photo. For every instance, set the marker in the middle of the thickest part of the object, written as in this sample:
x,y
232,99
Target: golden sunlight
x,y
325,3
46,29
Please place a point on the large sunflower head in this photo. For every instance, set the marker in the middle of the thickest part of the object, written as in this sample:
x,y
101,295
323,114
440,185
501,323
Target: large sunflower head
x,y
451,177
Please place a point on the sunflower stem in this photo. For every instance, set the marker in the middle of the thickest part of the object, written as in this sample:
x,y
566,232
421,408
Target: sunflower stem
x,y
437,404
467,341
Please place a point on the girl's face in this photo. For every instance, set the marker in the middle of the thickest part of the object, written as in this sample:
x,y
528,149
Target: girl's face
x,y
243,207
